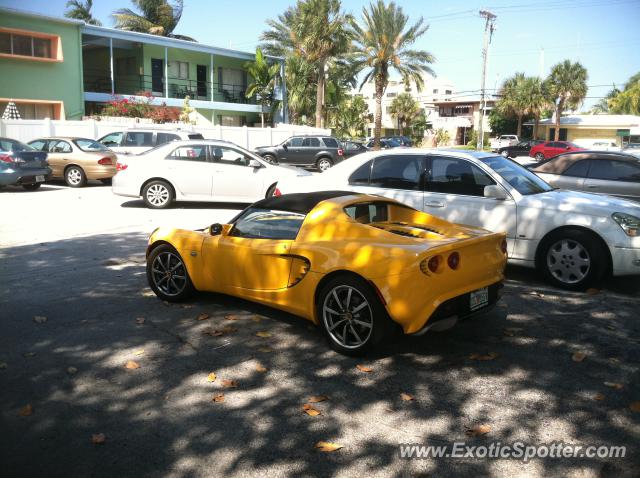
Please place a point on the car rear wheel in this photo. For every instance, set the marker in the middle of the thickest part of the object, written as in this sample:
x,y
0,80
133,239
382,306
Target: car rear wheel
x,y
504,153
572,259
539,156
323,164
74,177
167,275
157,194
31,187
352,317
270,158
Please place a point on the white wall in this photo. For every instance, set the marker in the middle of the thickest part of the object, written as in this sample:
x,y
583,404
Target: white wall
x,y
28,130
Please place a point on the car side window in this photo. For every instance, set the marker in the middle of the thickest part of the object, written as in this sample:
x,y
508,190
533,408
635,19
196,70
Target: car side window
x,y
189,153
59,147
330,143
360,177
578,169
40,145
138,138
256,223
167,138
457,176
230,156
294,142
614,170
398,172
311,143
366,213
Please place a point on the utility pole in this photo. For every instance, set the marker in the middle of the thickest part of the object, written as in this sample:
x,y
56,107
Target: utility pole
x,y
488,33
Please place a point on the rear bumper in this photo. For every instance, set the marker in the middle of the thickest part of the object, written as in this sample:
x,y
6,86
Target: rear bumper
x,y
28,176
99,171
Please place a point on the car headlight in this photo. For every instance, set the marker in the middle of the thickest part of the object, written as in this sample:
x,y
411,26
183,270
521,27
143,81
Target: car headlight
x,y
629,224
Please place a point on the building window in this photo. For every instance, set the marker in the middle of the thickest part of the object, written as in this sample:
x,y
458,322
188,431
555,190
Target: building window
x,y
126,66
24,44
228,120
447,92
178,70
463,110
435,92
391,95
35,110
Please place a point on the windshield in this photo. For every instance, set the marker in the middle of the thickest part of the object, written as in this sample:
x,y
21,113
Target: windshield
x,y
90,145
521,179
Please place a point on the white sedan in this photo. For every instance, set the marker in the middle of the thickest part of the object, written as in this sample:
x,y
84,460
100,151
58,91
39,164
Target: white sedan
x,y
573,238
199,170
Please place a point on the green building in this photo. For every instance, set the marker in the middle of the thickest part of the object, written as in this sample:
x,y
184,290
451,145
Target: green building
x,y
60,68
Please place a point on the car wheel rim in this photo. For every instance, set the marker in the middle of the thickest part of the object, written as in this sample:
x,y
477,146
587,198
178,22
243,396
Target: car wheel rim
x,y
347,317
505,154
158,195
270,159
74,176
568,261
323,165
539,156
168,273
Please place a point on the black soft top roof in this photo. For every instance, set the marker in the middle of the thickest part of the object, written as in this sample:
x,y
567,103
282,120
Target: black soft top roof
x,y
299,202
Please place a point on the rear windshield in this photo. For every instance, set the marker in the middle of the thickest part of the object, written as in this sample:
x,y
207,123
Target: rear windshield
x,y
15,146
90,145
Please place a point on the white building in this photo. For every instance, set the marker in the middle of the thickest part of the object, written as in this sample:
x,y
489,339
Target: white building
x,y
460,116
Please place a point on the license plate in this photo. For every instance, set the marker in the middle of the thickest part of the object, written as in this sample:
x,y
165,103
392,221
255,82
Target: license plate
x,y
479,298
39,179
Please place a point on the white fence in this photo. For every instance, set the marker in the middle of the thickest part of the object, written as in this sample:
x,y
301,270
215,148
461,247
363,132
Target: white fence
x,y
28,130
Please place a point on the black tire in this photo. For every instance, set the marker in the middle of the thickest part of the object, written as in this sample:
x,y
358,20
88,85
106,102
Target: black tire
x,y
504,153
106,181
74,177
270,191
32,187
270,158
345,339
572,259
158,194
539,156
323,164
167,275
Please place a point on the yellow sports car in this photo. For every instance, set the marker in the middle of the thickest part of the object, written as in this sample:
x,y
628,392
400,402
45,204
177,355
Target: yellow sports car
x,y
360,266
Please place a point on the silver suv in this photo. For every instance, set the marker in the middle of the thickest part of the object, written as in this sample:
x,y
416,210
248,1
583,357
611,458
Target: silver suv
x,y
139,140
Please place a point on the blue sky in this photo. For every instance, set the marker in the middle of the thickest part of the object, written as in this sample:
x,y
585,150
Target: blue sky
x,y
603,35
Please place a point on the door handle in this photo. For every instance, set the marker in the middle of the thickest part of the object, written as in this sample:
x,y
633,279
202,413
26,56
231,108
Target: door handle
x,y
434,204
592,187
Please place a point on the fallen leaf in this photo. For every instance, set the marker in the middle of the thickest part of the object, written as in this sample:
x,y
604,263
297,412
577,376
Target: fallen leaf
x,y
611,327
131,365
98,438
318,398
257,319
229,384
327,446
40,319
599,397
203,317
261,368
364,368
187,306
592,291
228,330
231,317
477,430
218,398
212,377
578,356
508,332
614,385
309,410
29,354
72,370
263,334
26,411
614,360
406,397
539,294
483,358
147,293
265,349
213,333
140,320
3,365
139,352
634,407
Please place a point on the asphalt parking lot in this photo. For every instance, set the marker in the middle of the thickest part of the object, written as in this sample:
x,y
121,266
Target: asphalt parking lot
x,y
543,366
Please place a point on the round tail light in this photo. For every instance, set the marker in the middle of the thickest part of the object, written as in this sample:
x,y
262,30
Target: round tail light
x,y
434,263
453,260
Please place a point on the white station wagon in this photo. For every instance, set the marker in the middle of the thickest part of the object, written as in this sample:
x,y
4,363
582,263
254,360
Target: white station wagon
x,y
573,238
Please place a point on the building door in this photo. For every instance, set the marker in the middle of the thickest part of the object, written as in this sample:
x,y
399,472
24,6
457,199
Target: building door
x,y
201,76
157,75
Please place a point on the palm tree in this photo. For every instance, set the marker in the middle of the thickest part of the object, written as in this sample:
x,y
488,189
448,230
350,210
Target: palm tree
x,y
299,78
513,99
536,100
626,101
383,43
157,17
81,11
566,87
351,118
316,30
265,77
404,108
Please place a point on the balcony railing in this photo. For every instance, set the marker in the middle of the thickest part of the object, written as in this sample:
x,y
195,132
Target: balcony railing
x,y
99,81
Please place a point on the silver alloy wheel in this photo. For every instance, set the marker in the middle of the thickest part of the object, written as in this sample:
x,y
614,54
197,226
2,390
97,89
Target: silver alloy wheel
x,y
270,159
505,153
347,316
568,261
168,273
74,176
539,156
158,194
324,164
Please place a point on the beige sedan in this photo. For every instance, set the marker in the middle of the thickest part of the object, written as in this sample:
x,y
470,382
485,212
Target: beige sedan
x,y
77,160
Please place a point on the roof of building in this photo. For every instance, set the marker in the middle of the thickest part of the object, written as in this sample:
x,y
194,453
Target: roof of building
x,y
603,120
459,100
41,16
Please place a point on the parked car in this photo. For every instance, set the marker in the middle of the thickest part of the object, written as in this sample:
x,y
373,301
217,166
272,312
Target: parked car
x,y
22,165
139,140
385,143
359,266
77,160
572,237
205,170
632,148
321,152
605,146
520,149
503,141
549,149
403,140
594,171
351,148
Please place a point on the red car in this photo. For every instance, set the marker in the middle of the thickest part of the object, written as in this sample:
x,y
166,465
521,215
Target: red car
x,y
549,149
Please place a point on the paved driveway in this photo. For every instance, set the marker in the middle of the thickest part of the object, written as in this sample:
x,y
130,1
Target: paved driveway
x,y
75,309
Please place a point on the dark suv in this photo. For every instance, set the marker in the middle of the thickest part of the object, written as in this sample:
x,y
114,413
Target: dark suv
x,y
320,152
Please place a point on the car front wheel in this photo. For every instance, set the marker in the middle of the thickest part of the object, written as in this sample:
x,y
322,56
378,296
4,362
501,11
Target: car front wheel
x,y
167,275
504,153
157,194
270,158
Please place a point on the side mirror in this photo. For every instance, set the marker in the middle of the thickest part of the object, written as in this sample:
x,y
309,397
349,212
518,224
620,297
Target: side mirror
x,y
254,163
215,229
495,192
